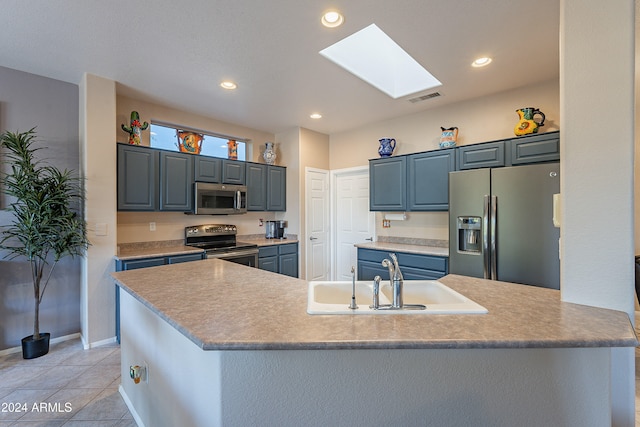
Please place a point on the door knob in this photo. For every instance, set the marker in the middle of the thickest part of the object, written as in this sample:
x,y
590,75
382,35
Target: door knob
x,y
313,238
369,239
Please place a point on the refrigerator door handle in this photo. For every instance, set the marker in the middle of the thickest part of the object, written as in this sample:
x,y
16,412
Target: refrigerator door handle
x,y
494,248
485,237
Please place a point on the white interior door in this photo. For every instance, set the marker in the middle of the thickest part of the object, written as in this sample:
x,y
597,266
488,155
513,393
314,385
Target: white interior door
x,y
352,219
317,224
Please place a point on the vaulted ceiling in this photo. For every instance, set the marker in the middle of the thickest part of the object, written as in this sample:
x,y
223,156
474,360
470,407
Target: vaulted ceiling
x,y
177,52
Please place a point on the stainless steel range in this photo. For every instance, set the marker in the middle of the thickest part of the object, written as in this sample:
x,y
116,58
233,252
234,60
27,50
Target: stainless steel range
x,y
219,241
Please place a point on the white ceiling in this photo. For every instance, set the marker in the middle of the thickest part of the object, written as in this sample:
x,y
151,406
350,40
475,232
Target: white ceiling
x,y
177,52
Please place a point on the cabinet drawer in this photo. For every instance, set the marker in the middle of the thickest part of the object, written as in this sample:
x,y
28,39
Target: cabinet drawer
x,y
535,149
267,251
142,263
425,262
183,258
489,155
290,248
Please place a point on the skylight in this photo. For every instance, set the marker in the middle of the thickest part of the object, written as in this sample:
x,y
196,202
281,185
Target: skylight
x,y
374,57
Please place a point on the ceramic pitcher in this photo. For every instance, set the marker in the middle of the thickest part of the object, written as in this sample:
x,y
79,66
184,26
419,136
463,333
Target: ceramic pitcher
x,y
387,145
527,124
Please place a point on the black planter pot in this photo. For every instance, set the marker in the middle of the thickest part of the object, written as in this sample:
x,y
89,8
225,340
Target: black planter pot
x,y
35,348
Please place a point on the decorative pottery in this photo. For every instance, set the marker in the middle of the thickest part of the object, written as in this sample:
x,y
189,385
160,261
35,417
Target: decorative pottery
x,y
527,124
32,348
269,154
232,147
449,137
189,142
135,128
387,145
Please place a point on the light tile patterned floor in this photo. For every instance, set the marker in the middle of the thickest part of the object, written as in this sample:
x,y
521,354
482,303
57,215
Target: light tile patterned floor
x,y
69,387
79,388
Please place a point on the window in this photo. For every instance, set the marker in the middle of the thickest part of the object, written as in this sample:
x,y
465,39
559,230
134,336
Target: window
x,y
166,138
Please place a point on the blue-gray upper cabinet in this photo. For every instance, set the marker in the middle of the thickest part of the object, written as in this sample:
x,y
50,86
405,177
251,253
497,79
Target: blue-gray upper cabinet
x,y
266,187
540,148
176,181
256,187
388,184
233,172
428,180
276,188
207,169
137,178
485,155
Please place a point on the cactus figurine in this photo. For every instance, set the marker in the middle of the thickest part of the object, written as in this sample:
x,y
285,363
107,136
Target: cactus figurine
x,y
135,128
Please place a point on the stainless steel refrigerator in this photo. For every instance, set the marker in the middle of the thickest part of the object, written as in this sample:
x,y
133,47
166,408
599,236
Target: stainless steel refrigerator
x,y
501,224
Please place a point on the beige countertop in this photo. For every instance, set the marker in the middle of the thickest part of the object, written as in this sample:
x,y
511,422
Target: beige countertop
x,y
261,241
155,251
227,306
404,247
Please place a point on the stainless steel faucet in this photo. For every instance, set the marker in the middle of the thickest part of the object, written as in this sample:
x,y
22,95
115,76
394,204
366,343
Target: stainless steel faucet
x,y
395,280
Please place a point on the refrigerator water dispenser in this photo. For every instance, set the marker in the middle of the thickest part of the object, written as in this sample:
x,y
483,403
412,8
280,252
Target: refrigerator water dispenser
x,y
470,234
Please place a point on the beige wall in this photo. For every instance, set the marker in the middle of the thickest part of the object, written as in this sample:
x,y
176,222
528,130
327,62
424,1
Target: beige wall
x,y
97,113
478,120
134,226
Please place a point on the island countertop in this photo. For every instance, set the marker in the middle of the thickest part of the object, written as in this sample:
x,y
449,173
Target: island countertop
x,y
220,305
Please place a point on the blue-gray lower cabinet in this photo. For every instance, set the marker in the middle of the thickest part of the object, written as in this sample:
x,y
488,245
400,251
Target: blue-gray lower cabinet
x,y
413,266
133,264
281,258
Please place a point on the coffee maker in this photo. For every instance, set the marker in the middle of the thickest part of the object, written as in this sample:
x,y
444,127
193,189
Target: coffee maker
x,y
275,229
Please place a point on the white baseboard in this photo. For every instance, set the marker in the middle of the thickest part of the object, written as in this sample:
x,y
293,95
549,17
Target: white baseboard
x,y
129,404
91,345
51,341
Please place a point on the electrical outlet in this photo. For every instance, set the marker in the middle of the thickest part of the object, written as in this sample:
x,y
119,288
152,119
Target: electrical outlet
x,y
261,222
152,226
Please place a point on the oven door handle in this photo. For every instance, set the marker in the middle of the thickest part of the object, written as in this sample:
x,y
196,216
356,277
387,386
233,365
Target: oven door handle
x,y
237,201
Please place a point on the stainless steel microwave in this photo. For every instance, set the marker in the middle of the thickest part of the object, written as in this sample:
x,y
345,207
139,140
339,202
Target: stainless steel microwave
x,y
219,199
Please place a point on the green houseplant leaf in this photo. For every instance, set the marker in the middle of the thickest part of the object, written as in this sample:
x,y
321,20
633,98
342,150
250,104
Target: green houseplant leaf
x,y
46,223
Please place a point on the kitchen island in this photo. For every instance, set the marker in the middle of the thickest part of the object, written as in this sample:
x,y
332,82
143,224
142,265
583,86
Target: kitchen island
x,y
226,344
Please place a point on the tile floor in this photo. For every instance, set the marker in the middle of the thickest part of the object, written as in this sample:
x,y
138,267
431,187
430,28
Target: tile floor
x,y
80,388
68,387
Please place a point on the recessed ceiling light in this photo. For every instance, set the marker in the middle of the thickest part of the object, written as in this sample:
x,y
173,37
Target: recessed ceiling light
x,y
228,85
481,62
332,19
316,116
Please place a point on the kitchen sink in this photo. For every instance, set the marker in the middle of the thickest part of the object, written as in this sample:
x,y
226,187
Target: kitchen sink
x,y
326,297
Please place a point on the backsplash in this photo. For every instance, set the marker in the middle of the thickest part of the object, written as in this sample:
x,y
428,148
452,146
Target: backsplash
x,y
438,243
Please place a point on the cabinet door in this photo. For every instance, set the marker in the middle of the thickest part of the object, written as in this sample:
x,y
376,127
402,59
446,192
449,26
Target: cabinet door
x,y
387,184
288,265
176,181
137,178
277,188
207,169
488,155
367,270
428,180
535,149
233,172
268,263
140,263
256,187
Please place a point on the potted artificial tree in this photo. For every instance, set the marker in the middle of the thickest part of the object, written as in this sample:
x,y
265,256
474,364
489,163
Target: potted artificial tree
x,y
46,224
